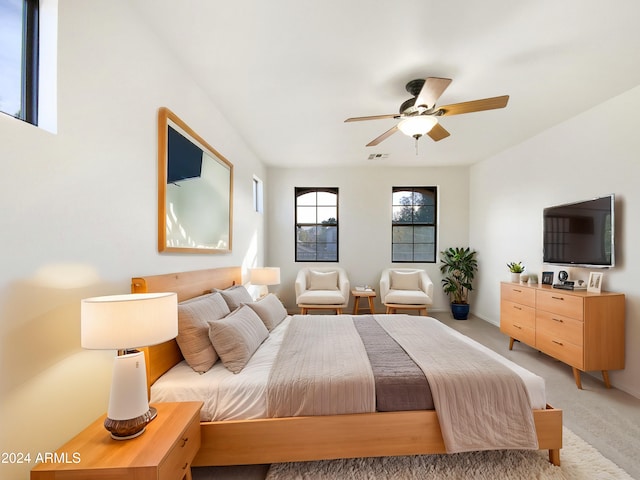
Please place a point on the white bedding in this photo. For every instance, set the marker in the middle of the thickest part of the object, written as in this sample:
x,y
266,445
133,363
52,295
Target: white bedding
x,y
242,396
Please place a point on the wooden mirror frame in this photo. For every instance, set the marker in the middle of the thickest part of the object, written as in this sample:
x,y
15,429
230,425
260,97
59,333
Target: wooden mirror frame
x,y
166,119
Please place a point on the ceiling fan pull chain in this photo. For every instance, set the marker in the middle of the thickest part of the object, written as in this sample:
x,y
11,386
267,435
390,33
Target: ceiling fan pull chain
x,y
417,146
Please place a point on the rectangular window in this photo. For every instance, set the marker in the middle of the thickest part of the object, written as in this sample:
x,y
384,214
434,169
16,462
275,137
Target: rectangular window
x,y
413,225
19,59
316,224
258,195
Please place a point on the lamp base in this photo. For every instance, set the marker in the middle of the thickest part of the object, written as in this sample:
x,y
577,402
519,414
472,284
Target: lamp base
x,y
130,428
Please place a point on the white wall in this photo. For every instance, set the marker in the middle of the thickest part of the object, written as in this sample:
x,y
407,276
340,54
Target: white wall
x,y
591,155
365,220
79,216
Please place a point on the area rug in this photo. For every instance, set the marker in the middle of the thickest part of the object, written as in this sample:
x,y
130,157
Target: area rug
x,y
579,461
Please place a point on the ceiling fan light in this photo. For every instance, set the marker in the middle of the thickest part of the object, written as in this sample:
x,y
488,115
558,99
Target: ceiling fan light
x,y
417,126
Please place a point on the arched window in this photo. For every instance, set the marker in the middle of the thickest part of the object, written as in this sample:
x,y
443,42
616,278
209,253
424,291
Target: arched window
x,y
316,224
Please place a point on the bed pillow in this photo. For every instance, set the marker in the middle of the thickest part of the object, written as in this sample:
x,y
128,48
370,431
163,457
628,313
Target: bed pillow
x,y
405,280
193,329
323,280
270,310
235,296
237,336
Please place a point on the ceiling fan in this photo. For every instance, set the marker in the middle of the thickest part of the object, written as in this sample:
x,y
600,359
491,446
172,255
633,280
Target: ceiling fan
x,y
419,115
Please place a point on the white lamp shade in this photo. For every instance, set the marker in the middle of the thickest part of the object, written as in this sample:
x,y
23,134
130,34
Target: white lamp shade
x,y
128,321
265,276
417,126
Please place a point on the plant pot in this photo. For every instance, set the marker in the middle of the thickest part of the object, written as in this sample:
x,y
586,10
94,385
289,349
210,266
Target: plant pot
x,y
460,311
515,277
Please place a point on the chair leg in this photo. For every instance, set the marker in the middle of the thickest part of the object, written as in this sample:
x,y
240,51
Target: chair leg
x,y
423,311
338,311
303,311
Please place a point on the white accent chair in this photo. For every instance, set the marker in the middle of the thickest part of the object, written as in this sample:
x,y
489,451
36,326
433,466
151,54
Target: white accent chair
x,y
406,288
323,288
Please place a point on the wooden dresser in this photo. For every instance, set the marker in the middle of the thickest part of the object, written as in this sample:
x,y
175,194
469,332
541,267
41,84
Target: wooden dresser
x,y
582,329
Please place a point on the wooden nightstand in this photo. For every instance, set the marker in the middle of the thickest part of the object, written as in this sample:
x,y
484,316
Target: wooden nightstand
x,y
163,452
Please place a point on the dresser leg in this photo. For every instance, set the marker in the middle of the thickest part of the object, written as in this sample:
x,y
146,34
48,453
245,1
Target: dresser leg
x,y
605,377
576,375
511,340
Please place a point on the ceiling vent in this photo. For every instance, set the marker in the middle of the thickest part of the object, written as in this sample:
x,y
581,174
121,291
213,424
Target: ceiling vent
x,y
378,156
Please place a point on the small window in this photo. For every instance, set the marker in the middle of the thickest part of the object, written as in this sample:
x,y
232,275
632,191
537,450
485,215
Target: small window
x,y
19,59
316,224
258,195
414,220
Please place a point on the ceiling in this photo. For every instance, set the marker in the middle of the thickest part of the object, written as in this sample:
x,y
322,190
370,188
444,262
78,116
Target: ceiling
x,y
287,73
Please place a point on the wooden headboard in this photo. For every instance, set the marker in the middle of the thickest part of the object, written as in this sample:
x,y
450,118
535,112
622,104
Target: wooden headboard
x,y
160,358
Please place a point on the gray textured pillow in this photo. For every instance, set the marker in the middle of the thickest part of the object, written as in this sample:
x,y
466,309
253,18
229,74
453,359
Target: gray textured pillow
x,y
270,310
237,336
235,296
193,329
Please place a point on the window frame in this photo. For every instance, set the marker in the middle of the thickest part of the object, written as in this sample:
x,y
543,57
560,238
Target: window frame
x,y
299,191
413,224
29,63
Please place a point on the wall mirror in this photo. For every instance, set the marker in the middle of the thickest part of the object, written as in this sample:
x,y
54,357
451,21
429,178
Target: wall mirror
x,y
195,191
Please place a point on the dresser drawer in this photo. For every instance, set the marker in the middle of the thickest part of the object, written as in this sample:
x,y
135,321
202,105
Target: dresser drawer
x,y
179,458
518,321
560,349
561,303
561,327
518,294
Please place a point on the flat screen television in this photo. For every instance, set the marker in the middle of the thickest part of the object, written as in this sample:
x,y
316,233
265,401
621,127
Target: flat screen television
x,y
184,158
581,233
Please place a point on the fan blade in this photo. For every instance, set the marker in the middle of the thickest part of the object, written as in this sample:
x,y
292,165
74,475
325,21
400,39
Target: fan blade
x,y
474,105
438,132
431,90
382,137
373,117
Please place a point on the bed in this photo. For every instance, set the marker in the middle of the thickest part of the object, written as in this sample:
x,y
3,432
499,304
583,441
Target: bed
x,y
308,437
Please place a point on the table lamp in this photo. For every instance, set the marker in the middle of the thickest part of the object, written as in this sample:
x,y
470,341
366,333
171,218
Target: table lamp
x,y
123,323
265,276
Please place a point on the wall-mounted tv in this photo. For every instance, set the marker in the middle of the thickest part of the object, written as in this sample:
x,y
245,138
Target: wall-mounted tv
x,y
184,158
580,233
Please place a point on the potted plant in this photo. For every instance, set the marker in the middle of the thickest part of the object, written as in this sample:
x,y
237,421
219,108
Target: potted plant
x,y
516,269
459,266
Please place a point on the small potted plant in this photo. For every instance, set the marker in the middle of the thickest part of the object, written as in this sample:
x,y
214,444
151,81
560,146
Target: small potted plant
x,y
459,266
516,269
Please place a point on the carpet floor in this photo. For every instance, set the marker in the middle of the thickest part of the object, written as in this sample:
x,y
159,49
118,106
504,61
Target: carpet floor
x,y
579,461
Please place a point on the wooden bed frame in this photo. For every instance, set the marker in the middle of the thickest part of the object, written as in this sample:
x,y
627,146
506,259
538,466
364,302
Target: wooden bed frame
x,y
275,440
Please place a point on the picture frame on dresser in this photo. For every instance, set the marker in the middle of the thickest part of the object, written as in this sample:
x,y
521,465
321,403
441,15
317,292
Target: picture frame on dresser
x,y
595,282
547,278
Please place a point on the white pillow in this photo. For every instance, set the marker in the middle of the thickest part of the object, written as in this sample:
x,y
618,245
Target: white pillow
x,y
405,280
270,310
237,336
323,280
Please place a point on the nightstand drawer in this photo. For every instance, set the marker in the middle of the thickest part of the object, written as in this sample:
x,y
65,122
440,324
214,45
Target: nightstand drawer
x,y
179,458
